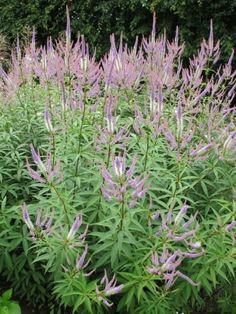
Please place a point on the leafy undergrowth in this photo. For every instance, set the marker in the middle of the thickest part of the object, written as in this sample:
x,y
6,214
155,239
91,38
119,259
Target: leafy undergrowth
x,y
118,178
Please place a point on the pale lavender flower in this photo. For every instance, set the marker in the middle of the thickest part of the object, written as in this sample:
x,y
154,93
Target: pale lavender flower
x,y
181,214
44,227
26,217
156,215
122,181
166,267
74,228
81,259
47,120
45,173
119,166
200,150
181,275
192,254
109,290
230,226
179,116
37,158
195,245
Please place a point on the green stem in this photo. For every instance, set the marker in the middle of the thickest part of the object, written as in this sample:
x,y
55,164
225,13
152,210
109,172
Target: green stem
x,y
62,202
80,140
122,213
147,151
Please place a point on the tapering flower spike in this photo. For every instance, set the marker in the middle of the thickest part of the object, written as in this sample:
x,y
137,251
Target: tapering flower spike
x,y
26,217
80,263
74,228
47,120
231,226
45,172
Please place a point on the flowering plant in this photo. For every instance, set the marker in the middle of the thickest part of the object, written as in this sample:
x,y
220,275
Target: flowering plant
x,y
118,177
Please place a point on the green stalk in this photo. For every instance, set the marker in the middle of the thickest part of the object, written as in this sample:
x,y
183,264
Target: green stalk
x,y
80,139
62,202
147,151
122,213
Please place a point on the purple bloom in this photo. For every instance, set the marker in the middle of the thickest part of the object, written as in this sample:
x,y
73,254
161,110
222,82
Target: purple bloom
x,y
80,259
156,215
181,214
46,169
74,228
47,120
166,267
230,226
26,217
110,289
37,158
119,166
201,150
179,116
192,254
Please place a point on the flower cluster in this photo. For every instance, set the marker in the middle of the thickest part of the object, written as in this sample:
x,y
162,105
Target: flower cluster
x,y
110,289
121,181
166,266
179,229
41,226
45,172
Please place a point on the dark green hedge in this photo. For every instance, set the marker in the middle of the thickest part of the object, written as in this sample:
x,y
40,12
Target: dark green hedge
x,y
98,18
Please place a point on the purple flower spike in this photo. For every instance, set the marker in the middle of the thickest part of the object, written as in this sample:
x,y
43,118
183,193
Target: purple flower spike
x,y
201,150
47,120
181,214
80,259
193,254
68,31
74,228
179,116
119,166
26,217
181,275
195,245
37,158
39,217
230,226
156,215
155,260
45,172
34,174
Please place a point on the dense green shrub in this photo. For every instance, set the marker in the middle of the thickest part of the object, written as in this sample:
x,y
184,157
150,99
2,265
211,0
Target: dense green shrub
x,y
122,169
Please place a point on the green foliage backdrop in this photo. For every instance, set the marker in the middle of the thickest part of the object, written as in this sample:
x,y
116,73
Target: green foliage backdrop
x,y
97,19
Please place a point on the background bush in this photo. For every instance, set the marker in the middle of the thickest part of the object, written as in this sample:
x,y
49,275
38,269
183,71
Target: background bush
x,y
98,19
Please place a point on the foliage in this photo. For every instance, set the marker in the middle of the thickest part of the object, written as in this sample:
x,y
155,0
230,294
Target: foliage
x,y
98,19
8,306
118,177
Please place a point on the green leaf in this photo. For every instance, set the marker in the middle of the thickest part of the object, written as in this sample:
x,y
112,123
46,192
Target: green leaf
x,y
14,308
7,295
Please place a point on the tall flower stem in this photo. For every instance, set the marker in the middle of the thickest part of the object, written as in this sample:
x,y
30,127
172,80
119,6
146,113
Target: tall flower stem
x,y
80,136
53,187
122,213
147,151
103,180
